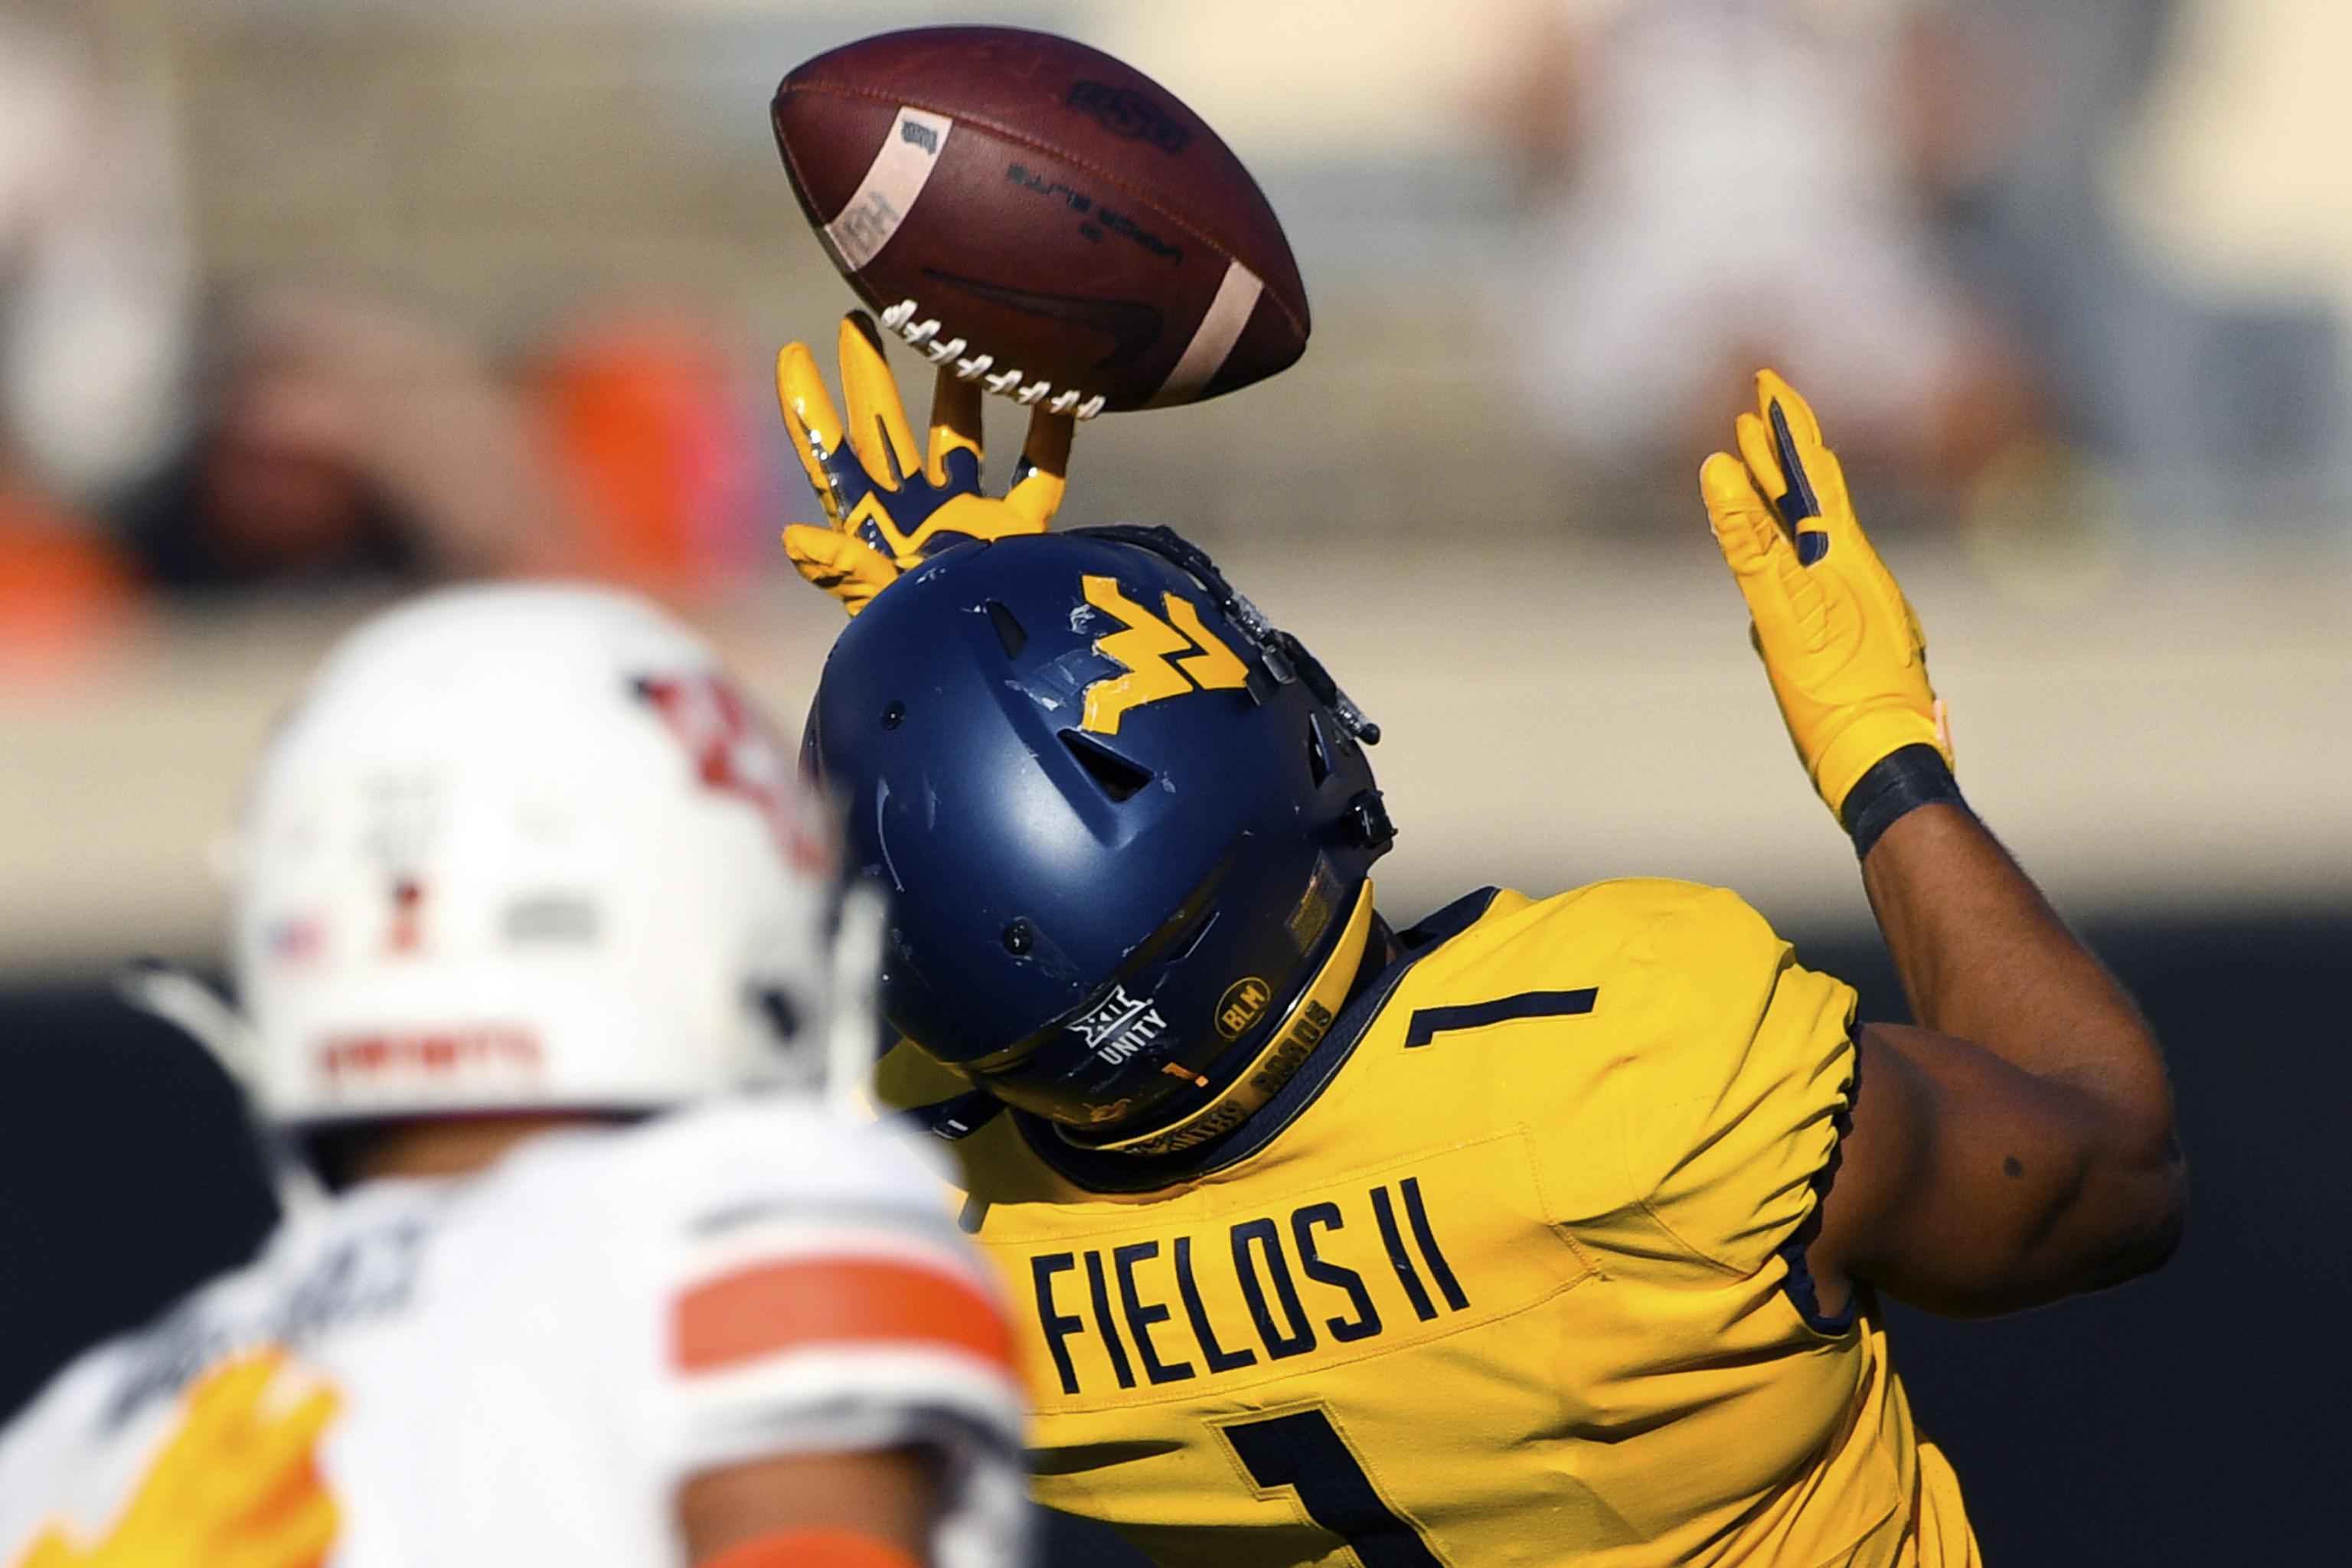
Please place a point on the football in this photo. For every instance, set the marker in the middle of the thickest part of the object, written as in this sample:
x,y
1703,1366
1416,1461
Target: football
x,y
1051,222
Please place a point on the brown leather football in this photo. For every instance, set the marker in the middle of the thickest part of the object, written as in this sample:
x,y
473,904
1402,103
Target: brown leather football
x,y
1055,224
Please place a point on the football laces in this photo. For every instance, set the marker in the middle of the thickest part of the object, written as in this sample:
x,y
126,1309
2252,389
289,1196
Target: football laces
x,y
923,333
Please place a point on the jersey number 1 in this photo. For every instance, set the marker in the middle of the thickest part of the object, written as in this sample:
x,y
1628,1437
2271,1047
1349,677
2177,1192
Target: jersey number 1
x,y
1302,1450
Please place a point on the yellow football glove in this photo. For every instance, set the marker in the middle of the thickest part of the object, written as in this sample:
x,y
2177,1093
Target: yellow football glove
x,y
889,507
1846,655
236,1486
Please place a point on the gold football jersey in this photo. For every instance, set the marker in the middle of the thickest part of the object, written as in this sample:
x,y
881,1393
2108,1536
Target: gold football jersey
x,y
1512,1272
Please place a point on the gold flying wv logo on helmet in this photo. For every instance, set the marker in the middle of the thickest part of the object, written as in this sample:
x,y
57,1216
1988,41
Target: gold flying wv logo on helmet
x,y
1159,658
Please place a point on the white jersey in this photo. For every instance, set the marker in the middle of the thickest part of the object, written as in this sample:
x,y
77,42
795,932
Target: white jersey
x,y
532,1359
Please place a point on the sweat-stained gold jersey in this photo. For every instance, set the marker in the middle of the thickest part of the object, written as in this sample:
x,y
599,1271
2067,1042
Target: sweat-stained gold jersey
x,y
1511,1273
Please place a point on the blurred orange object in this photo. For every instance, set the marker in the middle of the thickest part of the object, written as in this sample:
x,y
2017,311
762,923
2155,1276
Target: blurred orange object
x,y
67,595
650,431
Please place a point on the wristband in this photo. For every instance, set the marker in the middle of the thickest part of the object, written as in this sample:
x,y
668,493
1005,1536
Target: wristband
x,y
1895,785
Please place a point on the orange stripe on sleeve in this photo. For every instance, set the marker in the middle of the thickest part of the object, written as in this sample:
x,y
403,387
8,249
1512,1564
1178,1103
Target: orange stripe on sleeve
x,y
767,1308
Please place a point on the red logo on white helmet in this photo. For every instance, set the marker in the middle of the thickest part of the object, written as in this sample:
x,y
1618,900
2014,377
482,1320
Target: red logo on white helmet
x,y
736,753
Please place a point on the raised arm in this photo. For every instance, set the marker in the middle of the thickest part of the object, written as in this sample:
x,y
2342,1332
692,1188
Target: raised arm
x,y
2021,1149
2018,1146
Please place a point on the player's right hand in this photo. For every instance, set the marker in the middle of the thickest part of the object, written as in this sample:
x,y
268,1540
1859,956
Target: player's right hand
x,y
887,503
1842,648
238,1485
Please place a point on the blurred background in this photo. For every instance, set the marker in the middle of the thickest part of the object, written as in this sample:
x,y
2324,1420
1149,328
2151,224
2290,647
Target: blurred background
x,y
304,303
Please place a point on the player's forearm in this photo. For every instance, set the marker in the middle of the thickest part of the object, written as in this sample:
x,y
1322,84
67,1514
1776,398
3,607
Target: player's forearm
x,y
1983,956
868,1508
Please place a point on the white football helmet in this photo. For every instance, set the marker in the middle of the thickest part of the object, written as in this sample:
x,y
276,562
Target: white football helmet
x,y
524,848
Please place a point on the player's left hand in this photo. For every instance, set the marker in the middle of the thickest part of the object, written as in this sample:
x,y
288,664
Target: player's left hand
x,y
1844,651
889,504
238,1485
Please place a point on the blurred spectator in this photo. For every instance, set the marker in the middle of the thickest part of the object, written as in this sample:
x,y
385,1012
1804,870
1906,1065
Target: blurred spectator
x,y
2213,394
2215,287
340,443
1724,184
95,274
673,477
65,590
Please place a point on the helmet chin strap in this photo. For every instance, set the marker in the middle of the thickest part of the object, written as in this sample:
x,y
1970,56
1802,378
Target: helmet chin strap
x,y
1287,1048
171,993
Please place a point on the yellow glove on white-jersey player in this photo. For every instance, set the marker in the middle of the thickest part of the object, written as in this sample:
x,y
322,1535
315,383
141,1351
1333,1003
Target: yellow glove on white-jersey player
x,y
889,504
1845,652
238,1485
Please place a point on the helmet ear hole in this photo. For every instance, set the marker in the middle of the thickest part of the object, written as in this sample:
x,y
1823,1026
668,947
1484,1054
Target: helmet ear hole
x,y
1119,778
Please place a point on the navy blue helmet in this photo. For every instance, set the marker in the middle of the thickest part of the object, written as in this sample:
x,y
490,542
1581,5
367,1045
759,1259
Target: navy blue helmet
x,y
1124,825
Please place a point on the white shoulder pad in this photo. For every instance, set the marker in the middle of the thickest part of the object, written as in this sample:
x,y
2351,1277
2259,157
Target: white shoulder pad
x,y
816,1291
